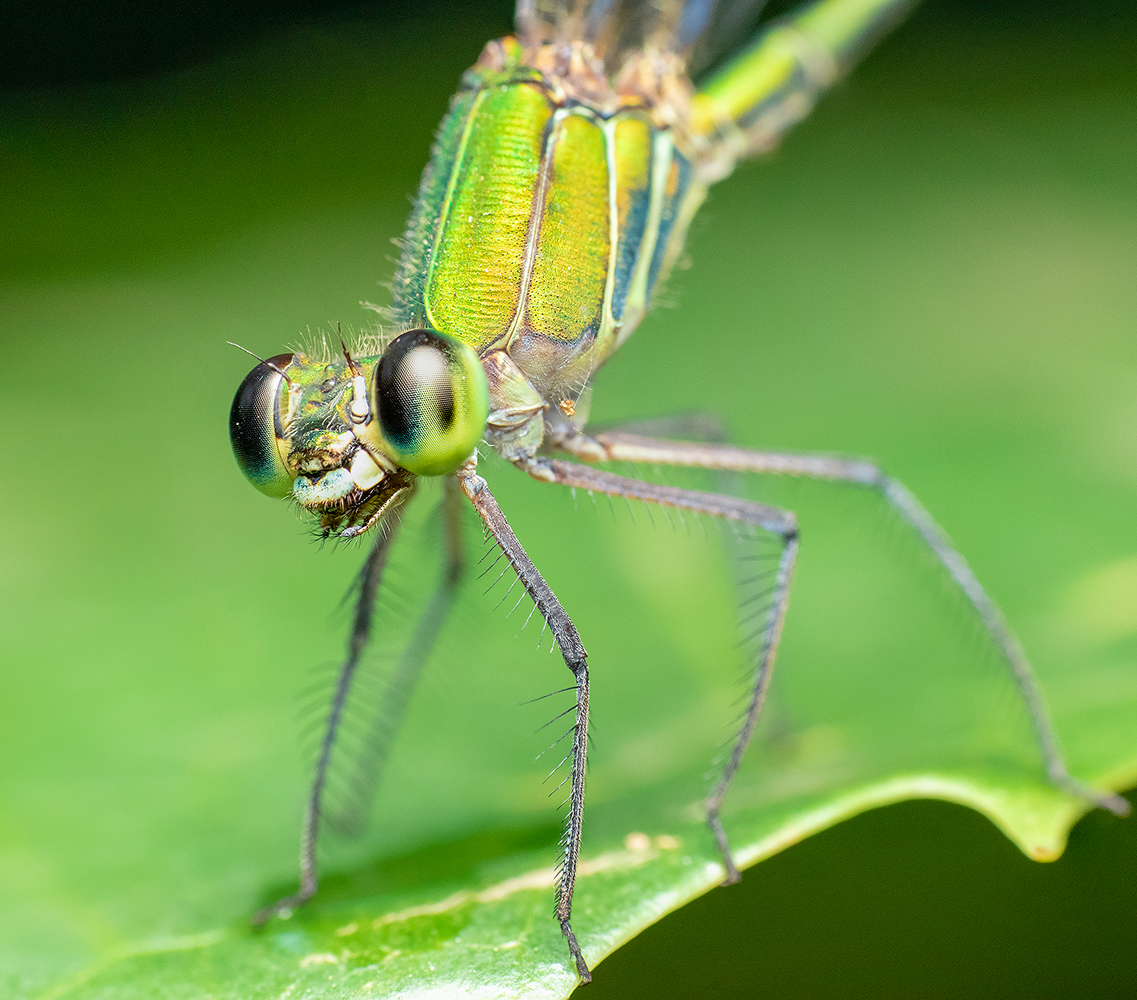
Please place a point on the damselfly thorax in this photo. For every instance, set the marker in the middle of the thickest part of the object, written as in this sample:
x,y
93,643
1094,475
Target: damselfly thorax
x,y
556,200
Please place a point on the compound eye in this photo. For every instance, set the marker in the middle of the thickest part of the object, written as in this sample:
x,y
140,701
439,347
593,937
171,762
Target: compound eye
x,y
255,428
430,394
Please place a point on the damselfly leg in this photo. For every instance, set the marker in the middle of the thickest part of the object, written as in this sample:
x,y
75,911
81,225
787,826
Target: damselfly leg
x,y
624,447
575,656
773,520
402,685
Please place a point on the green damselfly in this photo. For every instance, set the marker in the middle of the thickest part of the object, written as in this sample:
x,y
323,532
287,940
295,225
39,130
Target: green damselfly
x,y
556,201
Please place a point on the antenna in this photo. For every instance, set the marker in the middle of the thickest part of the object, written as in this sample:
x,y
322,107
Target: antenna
x,y
275,368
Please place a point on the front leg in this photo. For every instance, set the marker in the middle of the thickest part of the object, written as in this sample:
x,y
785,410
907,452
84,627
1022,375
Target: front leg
x,y
369,579
622,447
575,656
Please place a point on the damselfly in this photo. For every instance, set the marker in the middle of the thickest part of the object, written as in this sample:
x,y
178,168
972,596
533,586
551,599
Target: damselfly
x,y
557,199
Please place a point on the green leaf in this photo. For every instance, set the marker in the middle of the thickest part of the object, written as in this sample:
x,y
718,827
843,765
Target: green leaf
x,y
923,290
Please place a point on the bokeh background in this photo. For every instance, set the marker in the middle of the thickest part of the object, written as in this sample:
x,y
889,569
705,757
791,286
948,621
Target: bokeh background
x,y
938,269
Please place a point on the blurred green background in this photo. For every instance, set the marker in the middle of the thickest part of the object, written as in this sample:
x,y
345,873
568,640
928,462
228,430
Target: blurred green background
x,y
937,270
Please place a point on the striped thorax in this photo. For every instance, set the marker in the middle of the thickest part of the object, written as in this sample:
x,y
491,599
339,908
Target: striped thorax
x,y
555,202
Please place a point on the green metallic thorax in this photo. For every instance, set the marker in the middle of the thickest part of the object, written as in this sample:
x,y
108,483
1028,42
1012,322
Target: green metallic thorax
x,y
542,226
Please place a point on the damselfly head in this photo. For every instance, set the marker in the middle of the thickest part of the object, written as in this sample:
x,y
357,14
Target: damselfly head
x,y
346,439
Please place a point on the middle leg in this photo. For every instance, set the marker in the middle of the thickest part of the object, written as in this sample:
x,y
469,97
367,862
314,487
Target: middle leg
x,y
780,523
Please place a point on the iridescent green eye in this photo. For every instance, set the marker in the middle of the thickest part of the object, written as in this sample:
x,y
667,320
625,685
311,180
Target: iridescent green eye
x,y
430,394
255,427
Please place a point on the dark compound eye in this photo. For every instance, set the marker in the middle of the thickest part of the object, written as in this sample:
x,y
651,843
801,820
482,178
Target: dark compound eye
x,y
255,428
430,394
